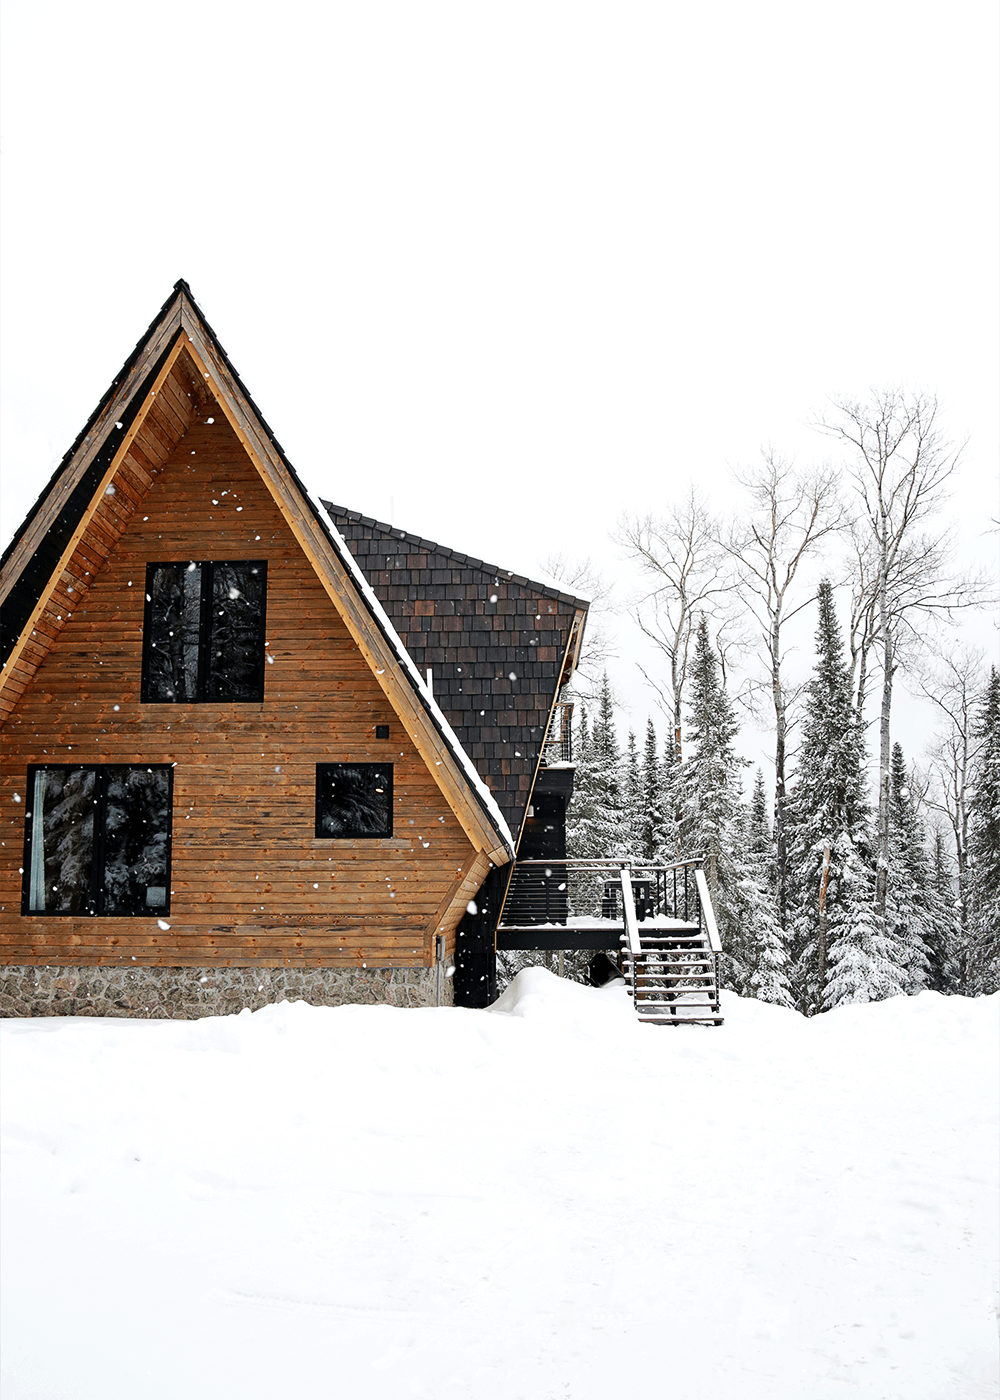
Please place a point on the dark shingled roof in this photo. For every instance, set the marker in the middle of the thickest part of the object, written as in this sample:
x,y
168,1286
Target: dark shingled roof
x,y
495,642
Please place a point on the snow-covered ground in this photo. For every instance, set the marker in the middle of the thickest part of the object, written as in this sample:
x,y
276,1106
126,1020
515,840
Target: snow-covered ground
x,y
545,1200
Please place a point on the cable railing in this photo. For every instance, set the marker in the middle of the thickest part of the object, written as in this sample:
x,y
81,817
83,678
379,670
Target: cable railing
x,y
657,918
578,893
558,746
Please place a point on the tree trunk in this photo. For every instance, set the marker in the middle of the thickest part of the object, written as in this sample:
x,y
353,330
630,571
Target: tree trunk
x,y
884,782
780,835
862,682
821,935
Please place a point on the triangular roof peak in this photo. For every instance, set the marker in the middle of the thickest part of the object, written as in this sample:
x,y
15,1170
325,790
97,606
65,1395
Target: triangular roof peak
x,y
86,507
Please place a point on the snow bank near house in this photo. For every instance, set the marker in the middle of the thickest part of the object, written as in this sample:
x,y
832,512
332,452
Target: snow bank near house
x,y
542,1200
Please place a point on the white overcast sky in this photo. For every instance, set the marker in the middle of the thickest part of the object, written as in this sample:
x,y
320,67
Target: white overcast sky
x,y
499,272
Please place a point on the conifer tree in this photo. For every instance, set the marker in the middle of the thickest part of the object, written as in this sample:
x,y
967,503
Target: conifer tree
x,y
711,825
908,918
841,955
942,904
983,957
652,824
632,795
595,827
765,953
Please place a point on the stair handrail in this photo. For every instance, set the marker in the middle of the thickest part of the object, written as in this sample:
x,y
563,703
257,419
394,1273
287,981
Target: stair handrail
x,y
708,913
628,909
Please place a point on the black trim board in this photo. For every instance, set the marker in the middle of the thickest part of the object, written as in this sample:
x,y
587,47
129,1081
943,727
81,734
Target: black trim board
x,y
34,577
554,940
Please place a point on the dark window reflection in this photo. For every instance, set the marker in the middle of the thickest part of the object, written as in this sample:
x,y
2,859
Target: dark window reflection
x,y
98,840
235,659
173,629
62,840
353,799
136,835
203,635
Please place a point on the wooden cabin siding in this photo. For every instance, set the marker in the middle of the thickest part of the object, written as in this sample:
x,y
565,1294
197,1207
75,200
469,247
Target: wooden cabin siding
x,y
250,883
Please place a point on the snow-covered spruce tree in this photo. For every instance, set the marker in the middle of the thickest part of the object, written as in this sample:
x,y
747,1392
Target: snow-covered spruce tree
x,y
711,824
909,923
669,845
632,795
595,821
839,953
983,954
768,979
944,909
652,826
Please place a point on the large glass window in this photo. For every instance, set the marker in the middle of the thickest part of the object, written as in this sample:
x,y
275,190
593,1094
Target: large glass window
x,y
353,799
98,839
203,634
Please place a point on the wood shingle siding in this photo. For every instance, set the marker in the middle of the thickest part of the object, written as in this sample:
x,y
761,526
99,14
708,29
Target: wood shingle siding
x,y
475,626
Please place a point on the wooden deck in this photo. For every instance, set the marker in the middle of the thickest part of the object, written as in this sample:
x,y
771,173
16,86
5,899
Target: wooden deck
x,y
579,933
670,965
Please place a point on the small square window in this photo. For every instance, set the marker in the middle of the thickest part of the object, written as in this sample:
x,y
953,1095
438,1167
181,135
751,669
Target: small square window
x,y
353,800
381,731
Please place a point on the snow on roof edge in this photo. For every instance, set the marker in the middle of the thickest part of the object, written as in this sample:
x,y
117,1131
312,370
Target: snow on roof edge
x,y
406,660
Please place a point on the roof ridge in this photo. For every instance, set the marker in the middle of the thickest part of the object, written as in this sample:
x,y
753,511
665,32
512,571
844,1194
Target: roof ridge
x,y
544,588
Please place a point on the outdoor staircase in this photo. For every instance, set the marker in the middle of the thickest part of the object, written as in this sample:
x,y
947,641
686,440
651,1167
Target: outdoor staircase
x,y
671,965
672,979
669,947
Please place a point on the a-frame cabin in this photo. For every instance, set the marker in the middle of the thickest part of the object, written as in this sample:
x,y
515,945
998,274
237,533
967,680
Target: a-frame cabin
x,y
224,777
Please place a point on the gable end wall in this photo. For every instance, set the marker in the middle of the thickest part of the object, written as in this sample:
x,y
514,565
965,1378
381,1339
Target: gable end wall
x,y
250,884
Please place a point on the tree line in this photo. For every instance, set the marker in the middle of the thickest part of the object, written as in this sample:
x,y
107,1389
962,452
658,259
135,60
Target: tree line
x,y
833,893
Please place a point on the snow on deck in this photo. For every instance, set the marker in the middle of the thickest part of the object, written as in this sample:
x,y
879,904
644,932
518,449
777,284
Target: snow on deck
x,y
543,1200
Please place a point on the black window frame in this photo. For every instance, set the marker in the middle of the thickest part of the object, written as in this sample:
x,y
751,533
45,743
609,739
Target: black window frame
x,y
97,882
385,769
204,676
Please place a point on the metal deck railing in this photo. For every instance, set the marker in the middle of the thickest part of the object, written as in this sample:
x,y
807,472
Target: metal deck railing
x,y
558,746
658,918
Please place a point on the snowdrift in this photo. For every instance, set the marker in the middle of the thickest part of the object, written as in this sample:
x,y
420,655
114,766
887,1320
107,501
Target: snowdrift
x,y
540,1200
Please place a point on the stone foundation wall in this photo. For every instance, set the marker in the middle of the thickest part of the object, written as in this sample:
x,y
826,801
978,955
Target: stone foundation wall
x,y
185,993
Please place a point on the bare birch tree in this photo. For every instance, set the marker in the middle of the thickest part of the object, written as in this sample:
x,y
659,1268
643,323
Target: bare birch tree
x,y
681,553
863,625
582,579
900,465
955,687
791,514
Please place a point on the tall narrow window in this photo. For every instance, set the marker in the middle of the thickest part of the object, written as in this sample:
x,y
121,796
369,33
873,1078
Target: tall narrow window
x,y
353,799
203,633
98,839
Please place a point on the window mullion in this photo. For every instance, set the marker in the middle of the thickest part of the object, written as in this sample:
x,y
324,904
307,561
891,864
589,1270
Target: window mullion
x,y
205,627
97,851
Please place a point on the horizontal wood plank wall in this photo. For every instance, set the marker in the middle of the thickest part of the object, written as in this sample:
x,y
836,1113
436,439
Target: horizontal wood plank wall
x,y
250,884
